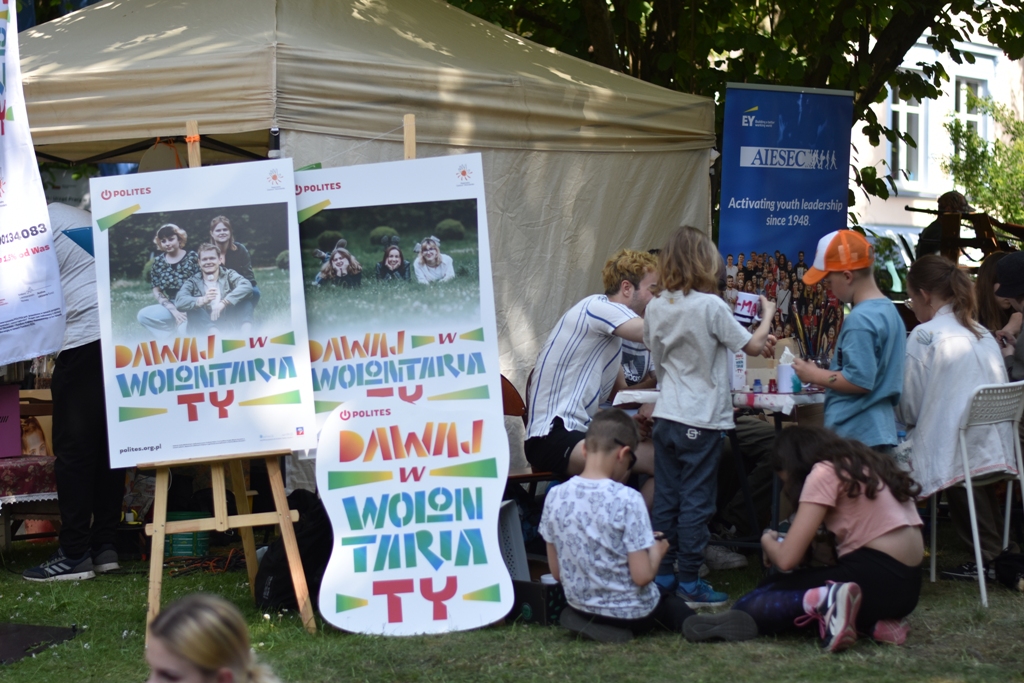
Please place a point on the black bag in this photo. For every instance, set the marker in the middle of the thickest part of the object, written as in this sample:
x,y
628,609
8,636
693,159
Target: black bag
x,y
274,590
1009,570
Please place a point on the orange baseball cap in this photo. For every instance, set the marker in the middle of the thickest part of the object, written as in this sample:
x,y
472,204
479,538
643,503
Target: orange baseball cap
x,y
839,250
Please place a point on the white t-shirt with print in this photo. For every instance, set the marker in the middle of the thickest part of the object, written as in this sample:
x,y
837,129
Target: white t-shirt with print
x,y
594,524
578,365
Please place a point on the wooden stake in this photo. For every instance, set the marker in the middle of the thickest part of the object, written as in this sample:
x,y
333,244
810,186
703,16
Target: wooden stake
x,y
410,135
192,138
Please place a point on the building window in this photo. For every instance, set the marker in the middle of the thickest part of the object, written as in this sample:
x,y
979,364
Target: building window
x,y
969,114
907,117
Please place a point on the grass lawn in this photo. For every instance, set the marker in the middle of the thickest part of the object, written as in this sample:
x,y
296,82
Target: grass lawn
x,y
952,639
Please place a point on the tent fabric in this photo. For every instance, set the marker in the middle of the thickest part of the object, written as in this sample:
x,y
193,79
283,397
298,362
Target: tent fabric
x,y
135,69
579,160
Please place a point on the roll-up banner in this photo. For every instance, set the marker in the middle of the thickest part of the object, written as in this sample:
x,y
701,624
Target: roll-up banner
x,y
413,454
785,174
31,300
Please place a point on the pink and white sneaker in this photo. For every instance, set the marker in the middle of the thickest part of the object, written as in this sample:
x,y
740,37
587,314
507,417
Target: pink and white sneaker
x,y
836,616
892,631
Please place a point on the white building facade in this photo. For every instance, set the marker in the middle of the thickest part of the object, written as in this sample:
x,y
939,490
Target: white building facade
x,y
918,171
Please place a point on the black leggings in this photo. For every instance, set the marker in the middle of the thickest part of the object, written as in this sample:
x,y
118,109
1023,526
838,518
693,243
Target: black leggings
x,y
669,615
889,590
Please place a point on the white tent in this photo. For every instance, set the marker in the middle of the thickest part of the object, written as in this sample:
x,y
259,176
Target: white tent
x,y
578,160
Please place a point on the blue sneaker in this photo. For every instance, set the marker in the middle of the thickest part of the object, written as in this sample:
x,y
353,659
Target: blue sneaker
x,y
701,594
666,583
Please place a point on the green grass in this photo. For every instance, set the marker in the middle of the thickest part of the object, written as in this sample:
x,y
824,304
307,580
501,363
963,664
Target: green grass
x,y
952,639
130,296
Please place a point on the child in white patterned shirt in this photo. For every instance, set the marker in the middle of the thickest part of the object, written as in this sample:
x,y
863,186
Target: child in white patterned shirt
x,y
601,548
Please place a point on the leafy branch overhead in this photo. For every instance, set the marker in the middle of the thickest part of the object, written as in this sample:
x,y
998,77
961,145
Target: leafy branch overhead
x,y
697,47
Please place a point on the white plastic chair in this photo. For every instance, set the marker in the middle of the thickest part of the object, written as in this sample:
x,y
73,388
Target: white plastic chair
x,y
989,404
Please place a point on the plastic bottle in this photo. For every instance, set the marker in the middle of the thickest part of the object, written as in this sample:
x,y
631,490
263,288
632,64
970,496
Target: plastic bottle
x,y
757,386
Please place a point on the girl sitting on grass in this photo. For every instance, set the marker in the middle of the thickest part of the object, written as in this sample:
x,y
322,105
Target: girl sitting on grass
x,y
202,638
868,503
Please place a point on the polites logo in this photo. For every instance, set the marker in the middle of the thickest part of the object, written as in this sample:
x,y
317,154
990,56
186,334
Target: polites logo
x,y
275,178
322,187
464,175
377,412
131,192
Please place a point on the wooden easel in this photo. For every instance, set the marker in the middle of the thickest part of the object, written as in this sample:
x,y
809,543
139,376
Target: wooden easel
x,y
244,521
221,521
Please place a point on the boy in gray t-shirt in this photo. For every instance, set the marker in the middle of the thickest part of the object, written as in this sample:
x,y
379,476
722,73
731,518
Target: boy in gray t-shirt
x,y
601,548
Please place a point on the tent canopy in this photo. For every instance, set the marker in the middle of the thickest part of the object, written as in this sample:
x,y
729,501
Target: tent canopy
x,y
579,161
127,70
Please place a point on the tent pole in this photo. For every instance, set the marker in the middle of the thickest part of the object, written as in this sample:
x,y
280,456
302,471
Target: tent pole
x,y
192,138
409,120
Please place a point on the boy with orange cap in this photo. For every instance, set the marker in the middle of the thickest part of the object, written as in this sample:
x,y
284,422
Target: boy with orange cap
x,y
864,382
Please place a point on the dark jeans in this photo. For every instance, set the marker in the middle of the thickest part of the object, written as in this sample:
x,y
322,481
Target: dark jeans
x,y
88,491
889,590
247,306
685,489
669,615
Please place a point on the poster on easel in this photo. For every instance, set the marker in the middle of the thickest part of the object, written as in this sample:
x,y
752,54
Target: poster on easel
x,y
202,319
785,178
413,454
31,299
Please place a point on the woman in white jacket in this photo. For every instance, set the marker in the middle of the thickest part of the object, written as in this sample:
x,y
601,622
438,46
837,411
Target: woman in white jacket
x,y
949,355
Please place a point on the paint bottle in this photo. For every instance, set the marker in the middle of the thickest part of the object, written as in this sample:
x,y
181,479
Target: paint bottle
x,y
757,386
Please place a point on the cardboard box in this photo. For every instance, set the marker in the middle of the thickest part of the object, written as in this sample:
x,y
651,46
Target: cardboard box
x,y
536,602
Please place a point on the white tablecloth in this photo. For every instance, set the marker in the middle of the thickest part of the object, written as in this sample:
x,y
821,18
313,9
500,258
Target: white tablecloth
x,y
783,403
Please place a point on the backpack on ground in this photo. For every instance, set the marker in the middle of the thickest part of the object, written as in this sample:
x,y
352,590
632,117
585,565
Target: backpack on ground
x,y
274,590
1009,570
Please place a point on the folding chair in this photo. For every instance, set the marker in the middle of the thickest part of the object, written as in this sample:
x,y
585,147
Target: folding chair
x,y
514,406
989,404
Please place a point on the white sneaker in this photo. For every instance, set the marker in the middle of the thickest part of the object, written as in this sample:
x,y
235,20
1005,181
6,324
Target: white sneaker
x,y
719,557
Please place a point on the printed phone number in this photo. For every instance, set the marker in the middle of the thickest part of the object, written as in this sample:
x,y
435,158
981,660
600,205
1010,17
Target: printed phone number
x,y
9,237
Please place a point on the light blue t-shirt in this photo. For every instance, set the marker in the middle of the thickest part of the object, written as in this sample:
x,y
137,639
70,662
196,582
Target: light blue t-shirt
x,y
869,353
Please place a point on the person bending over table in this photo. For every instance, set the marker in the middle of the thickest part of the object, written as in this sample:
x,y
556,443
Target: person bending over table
x,y
578,366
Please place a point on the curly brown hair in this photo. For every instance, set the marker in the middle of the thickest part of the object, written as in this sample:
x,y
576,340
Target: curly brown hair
x,y
860,469
689,261
629,265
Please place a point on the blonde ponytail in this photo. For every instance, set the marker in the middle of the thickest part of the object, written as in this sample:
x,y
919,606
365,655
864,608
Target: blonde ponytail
x,y
210,633
940,277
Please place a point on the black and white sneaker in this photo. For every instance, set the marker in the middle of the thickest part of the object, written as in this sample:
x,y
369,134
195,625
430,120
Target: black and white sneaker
x,y
60,567
968,571
104,558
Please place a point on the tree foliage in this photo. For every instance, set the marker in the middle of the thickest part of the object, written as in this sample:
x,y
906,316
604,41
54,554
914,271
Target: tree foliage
x,y
991,174
699,46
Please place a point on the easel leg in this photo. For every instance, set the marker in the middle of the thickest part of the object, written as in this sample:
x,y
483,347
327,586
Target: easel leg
x,y
242,503
156,554
291,546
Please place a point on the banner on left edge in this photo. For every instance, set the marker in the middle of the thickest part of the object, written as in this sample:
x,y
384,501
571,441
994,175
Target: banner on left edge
x,y
202,321
31,300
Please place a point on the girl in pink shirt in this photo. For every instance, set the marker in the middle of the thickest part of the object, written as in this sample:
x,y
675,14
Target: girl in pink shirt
x,y
868,503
